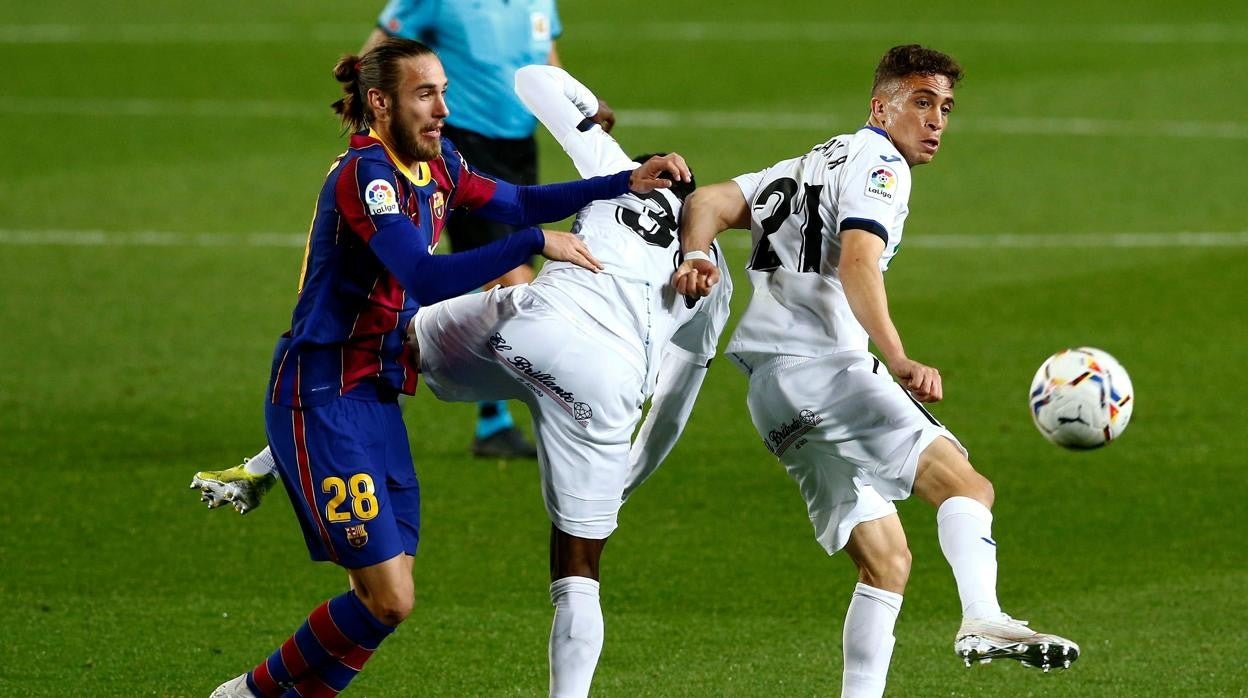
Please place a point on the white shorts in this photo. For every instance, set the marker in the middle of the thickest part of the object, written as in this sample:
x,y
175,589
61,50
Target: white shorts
x,y
847,433
585,396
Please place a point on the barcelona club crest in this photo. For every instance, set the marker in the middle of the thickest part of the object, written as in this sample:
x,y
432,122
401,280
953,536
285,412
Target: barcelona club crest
x,y
357,536
438,204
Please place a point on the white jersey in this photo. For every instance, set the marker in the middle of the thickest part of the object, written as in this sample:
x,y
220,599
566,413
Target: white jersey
x,y
635,236
798,209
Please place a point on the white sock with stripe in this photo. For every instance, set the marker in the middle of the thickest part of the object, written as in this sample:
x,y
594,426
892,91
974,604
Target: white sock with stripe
x,y
965,530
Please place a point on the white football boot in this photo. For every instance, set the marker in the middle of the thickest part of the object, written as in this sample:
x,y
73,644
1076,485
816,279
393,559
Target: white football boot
x,y
985,639
234,688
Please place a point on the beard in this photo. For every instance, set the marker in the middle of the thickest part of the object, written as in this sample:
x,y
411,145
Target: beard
x,y
408,143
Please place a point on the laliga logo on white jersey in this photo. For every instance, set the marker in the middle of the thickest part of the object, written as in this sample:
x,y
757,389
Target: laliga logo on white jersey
x,y
379,196
881,183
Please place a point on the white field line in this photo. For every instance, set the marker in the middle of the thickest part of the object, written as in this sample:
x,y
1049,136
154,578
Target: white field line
x,y
1073,241
819,124
349,35
741,31
147,238
736,240
824,122
1078,240
984,32
125,107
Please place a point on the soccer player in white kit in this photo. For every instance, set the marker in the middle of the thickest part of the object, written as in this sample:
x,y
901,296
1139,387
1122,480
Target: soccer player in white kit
x,y
585,351
825,226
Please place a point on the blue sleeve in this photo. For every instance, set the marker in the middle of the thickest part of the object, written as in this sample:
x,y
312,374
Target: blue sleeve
x,y
407,19
556,26
430,278
543,203
368,197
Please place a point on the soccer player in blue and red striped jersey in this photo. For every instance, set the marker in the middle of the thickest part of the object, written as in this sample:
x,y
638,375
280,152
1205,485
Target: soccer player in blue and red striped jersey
x,y
332,416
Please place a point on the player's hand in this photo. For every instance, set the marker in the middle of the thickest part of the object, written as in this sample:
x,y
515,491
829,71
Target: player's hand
x,y
921,380
695,277
566,247
605,116
655,172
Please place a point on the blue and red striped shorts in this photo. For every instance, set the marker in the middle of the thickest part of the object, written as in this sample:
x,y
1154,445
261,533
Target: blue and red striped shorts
x,y
348,470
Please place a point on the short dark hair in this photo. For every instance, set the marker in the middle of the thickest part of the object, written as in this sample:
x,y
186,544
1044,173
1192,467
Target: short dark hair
x,y
378,68
913,59
680,189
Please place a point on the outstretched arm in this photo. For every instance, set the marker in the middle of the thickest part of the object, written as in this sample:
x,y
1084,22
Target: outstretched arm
x,y
365,194
430,278
543,203
708,212
567,109
604,116
863,282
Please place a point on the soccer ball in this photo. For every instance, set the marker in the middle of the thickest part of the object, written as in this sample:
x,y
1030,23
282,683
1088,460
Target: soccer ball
x,y
1081,398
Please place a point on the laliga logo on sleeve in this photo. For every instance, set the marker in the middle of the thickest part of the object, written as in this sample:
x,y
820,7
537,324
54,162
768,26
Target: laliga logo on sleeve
x,y
379,195
881,183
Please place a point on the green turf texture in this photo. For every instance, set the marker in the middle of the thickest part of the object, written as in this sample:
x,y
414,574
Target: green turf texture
x,y
128,367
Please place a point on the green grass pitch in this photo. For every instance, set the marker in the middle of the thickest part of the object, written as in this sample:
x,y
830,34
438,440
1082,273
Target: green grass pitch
x,y
160,164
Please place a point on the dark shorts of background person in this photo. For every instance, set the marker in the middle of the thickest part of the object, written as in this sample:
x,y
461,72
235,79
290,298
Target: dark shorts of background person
x,y
510,159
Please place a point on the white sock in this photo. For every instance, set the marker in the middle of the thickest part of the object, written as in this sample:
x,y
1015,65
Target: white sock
x,y
868,639
575,636
261,463
965,529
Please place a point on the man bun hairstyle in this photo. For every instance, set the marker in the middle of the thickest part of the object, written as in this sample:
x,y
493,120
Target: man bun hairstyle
x,y
376,69
913,59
